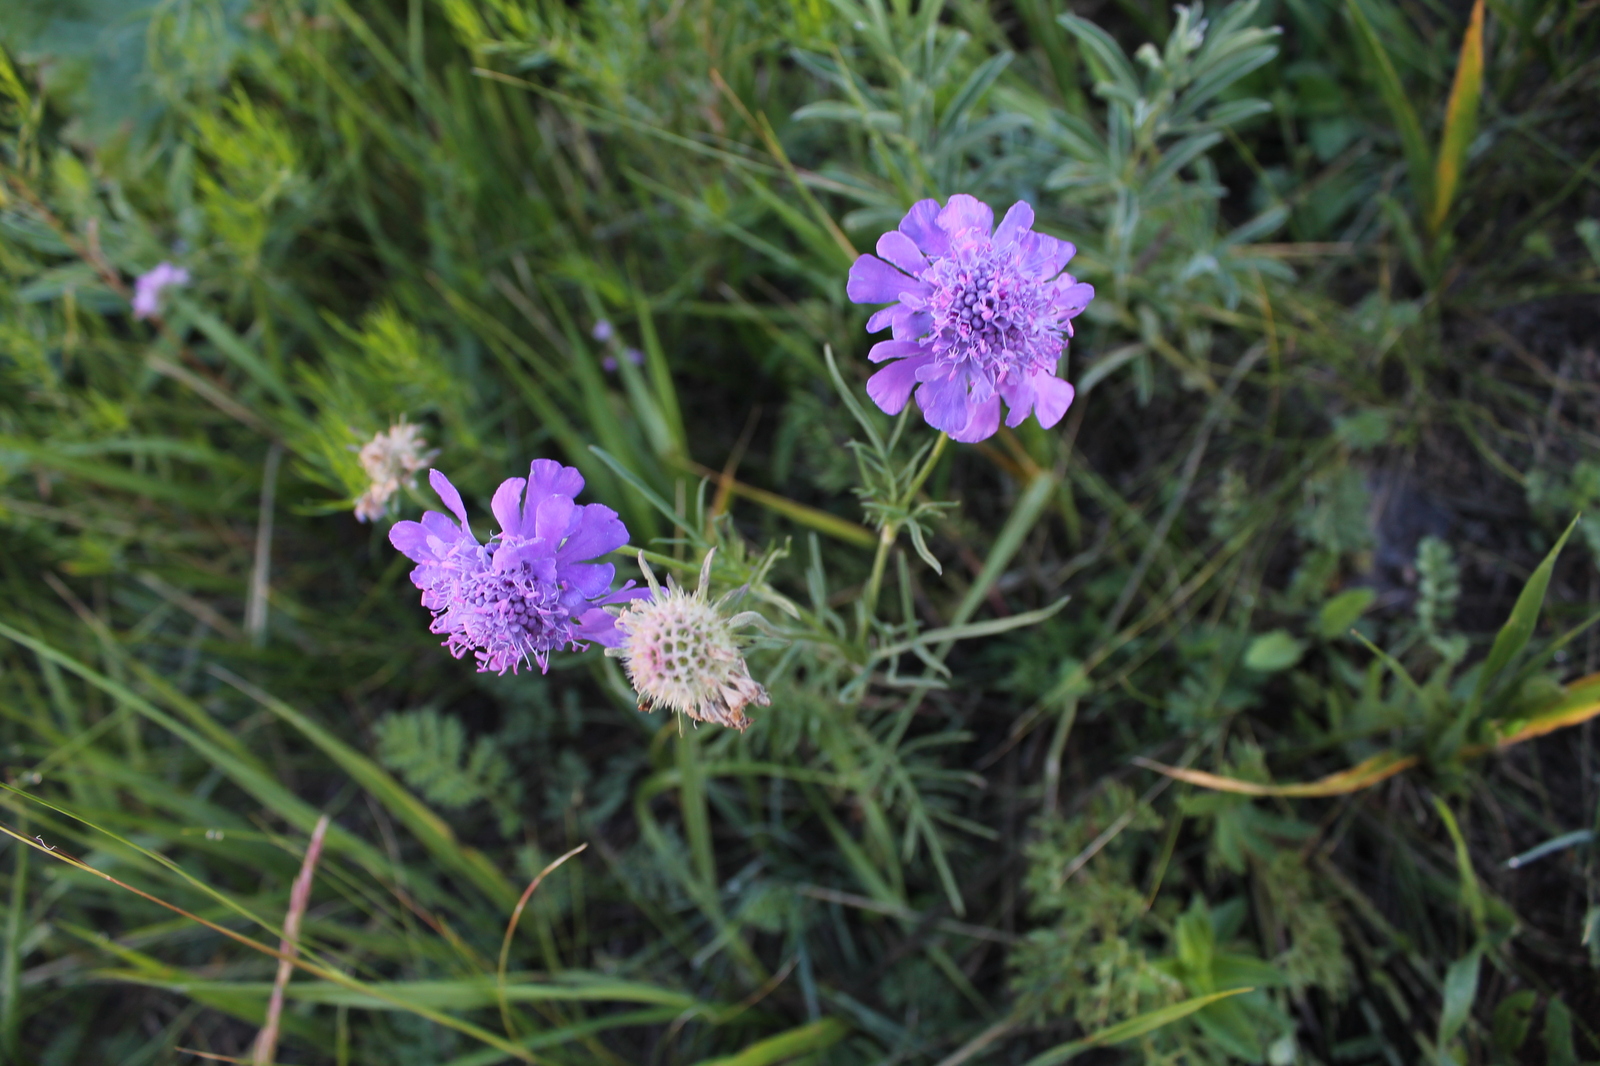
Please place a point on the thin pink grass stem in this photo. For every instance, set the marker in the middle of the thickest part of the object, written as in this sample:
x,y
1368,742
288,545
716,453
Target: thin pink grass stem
x,y
299,896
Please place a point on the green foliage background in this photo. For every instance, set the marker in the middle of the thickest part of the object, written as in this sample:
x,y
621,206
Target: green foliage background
x,y
1336,402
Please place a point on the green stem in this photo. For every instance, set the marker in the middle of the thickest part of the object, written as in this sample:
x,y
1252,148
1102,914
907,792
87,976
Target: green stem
x,y
890,532
10,966
927,468
887,535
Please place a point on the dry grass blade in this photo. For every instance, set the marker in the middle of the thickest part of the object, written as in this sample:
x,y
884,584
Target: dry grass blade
x,y
266,1046
1364,774
511,929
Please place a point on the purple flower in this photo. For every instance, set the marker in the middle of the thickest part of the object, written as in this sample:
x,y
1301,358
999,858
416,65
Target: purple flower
x,y
978,317
603,330
147,287
531,589
633,355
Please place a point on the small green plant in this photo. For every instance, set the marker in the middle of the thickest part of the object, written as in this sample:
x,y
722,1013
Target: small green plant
x,y
431,754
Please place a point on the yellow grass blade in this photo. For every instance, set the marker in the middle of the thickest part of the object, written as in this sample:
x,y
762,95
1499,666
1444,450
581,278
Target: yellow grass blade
x,y
1460,121
1362,775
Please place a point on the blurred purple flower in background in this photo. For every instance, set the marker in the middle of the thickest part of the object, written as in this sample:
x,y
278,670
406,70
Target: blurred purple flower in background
x,y
632,355
147,287
977,317
530,589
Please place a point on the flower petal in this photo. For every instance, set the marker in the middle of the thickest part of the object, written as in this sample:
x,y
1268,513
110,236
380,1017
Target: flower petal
x,y
895,350
921,224
882,318
554,519
600,627
411,540
901,250
872,281
944,403
596,531
507,505
447,492
1044,256
982,423
1018,220
891,387
965,212
1052,397
589,579
547,478
1072,296
1019,393
909,326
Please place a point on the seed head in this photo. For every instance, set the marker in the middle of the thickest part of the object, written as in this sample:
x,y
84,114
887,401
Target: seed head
x,y
681,652
390,459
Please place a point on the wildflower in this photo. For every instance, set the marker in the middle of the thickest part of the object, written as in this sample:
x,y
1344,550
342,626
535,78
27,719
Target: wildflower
x,y
977,316
681,652
632,355
391,457
603,330
531,588
147,287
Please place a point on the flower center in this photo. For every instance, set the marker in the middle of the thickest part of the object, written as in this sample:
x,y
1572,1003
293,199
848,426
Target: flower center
x,y
986,312
503,617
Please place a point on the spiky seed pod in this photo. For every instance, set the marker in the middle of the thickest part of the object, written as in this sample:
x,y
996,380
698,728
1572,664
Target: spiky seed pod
x,y
681,652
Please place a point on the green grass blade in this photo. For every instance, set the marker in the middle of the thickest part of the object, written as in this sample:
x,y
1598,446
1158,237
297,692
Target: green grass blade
x,y
1418,158
1148,1022
803,1040
1517,631
424,824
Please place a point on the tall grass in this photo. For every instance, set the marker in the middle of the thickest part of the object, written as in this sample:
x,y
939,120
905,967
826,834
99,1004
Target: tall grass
x,y
1242,717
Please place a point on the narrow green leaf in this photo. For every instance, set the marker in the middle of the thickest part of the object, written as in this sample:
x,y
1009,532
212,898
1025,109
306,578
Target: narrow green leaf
x,y
1460,121
1148,1022
799,1041
236,350
424,824
1418,158
1471,894
1024,516
1514,635
1460,989
1105,56
469,993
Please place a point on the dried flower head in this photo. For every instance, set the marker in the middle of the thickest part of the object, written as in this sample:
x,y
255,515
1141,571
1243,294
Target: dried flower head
x,y
530,589
977,316
681,652
390,459
147,287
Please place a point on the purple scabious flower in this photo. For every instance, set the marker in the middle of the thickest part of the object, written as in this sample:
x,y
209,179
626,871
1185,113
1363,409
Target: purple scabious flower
x,y
531,588
147,287
977,316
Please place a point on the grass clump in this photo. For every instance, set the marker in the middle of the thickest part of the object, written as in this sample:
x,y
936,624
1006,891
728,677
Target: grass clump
x,y
1264,670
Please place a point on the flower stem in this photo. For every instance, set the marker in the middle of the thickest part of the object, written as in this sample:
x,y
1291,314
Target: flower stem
x,y
887,535
889,532
927,467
